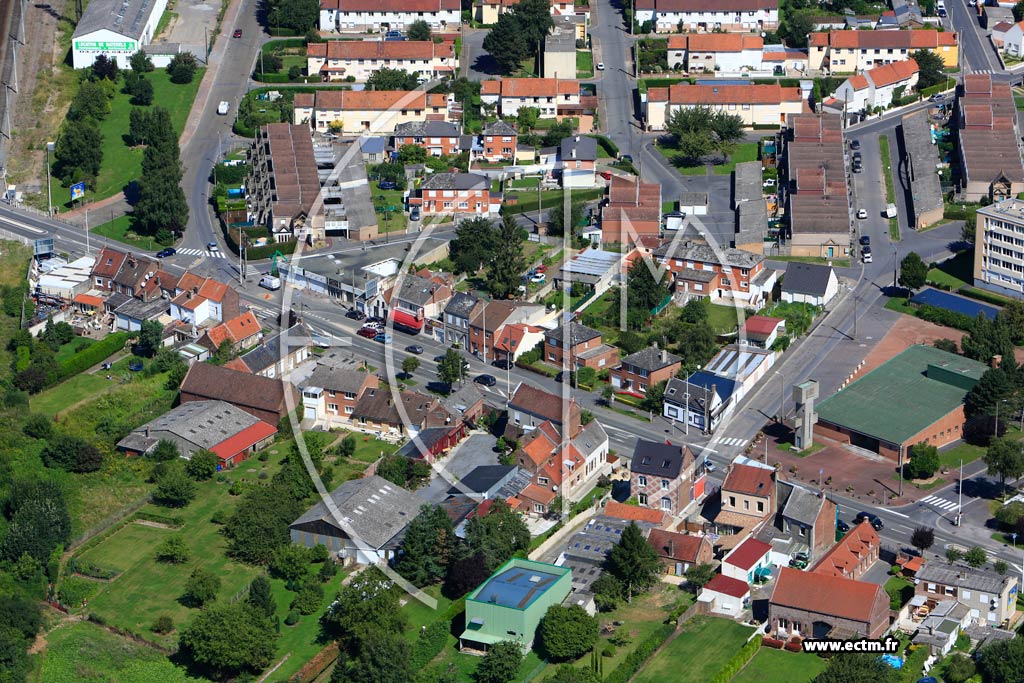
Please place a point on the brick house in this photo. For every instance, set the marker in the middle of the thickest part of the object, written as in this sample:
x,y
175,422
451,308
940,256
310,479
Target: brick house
x,y
499,141
663,476
209,301
645,368
330,393
337,60
378,16
807,517
277,355
529,407
852,556
239,333
378,411
812,605
260,396
108,262
570,469
632,211
461,308
439,138
451,193
579,347
720,274
577,160
487,326
633,513
418,299
678,552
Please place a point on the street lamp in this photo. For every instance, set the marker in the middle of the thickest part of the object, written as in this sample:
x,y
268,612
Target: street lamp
x,y
782,396
49,201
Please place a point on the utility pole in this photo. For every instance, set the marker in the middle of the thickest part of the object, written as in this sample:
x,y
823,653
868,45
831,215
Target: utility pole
x,y
960,493
87,230
686,411
49,201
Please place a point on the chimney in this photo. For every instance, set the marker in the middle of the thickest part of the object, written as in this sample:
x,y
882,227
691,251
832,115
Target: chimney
x,y
996,361
671,547
654,344
664,356
147,431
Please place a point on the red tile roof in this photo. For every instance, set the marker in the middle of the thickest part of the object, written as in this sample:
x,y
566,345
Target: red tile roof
x,y
398,6
247,438
530,87
848,553
750,480
376,100
682,93
380,49
761,324
721,42
89,300
824,594
911,40
676,546
634,513
887,74
727,585
748,553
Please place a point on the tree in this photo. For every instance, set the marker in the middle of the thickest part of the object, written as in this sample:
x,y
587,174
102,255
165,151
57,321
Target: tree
x,y
1012,318
924,460
392,79
953,554
202,465
308,598
654,398
698,575
71,454
427,546
451,368
507,44
471,248
558,223
1005,459
418,30
229,639
165,451
959,668
796,28
633,562
290,562
21,614
947,345
646,289
141,92
567,673
103,67
1003,660
497,535
201,587
1001,567
39,520
567,632
173,487
695,311
930,68
347,447
138,126
91,103
38,426
410,364
466,571
608,592
913,272
534,19
140,62
370,599
14,661
79,152
857,668
976,556
260,597
501,664
922,538
505,270
299,15
174,550
412,154
150,336
182,68
394,468
994,387
380,657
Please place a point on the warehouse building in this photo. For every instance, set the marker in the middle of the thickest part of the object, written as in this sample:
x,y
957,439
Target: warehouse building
x,y
916,396
117,29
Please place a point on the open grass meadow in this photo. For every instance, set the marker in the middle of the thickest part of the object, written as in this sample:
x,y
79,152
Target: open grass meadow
x,y
86,653
697,653
779,666
121,163
70,392
120,230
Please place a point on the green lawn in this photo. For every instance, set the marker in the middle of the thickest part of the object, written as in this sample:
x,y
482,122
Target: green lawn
x,y
368,449
119,229
724,318
697,653
841,262
528,182
70,392
584,64
890,192
900,304
962,451
72,347
744,151
550,199
956,272
123,164
165,21
779,666
86,653
900,591
394,220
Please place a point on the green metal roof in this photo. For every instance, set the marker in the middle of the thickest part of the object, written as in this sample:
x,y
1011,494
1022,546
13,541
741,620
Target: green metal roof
x,y
904,395
518,583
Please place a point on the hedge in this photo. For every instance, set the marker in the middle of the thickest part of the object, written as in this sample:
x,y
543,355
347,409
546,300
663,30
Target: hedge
x,y
430,643
271,78
283,44
88,357
738,661
935,89
86,568
982,295
454,610
941,316
169,520
607,145
257,253
635,659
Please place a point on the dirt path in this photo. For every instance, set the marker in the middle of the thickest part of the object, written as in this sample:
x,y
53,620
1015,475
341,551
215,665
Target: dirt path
x,y
40,642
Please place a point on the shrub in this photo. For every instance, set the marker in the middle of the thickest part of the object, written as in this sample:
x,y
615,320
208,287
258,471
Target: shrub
x,y
738,661
292,618
163,624
95,354
308,599
430,643
86,568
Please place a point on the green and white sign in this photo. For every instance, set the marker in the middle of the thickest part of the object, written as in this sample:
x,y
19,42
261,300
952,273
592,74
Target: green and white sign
x,y
104,46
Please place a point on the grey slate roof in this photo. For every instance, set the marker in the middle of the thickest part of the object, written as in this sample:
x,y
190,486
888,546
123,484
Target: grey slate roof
x,y
462,400
372,145
204,423
269,352
593,542
373,509
430,129
806,278
577,333
590,438
461,305
336,379
483,478
499,128
657,459
746,182
455,181
961,576
417,290
651,358
584,146
686,250
127,17
802,506
136,309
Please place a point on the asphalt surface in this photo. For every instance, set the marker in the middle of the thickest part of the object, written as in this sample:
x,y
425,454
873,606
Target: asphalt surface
x,y
976,51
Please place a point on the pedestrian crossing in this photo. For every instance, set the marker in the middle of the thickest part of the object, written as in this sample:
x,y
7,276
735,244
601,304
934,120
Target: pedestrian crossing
x,y
941,503
983,71
202,252
728,441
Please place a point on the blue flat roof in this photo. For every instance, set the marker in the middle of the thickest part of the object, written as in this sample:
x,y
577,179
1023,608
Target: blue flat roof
x,y
516,587
952,302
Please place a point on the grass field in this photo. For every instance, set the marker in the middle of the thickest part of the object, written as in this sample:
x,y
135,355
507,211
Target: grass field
x,y
532,181
724,318
72,347
956,272
550,199
119,230
890,192
779,666
745,151
85,653
697,653
70,392
397,220
584,64
123,164
837,262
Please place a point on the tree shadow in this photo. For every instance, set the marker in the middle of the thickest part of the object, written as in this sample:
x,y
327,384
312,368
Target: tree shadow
x,y
486,64
131,192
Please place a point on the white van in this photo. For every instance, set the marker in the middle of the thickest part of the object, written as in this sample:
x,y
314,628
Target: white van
x,y
222,108
270,282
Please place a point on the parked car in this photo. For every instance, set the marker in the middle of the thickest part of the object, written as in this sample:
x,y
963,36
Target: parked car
x,y
857,158
627,158
394,35
842,526
502,364
862,213
937,97
169,251
855,144
541,268
857,168
872,519
438,359
383,338
237,33
355,315
387,185
865,254
368,332
709,466
537,278
600,66
414,215
486,380
414,348
271,282
800,560
376,320
865,240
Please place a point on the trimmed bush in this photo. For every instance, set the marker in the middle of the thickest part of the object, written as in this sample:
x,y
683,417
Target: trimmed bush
x,y
292,618
607,144
93,570
738,661
170,520
93,355
635,659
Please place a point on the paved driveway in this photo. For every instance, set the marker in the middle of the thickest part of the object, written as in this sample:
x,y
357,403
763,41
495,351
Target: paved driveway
x,y
475,451
477,64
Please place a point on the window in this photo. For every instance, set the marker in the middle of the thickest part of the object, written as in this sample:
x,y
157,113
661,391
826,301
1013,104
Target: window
x,y
664,483
666,503
642,498
349,409
967,595
746,505
332,406
542,481
539,509
641,480
732,501
983,598
760,506
931,587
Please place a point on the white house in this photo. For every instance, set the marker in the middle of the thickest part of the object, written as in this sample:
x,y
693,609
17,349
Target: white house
x,y
360,16
748,561
809,283
117,29
724,52
725,595
877,87
1009,38
671,16
548,95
